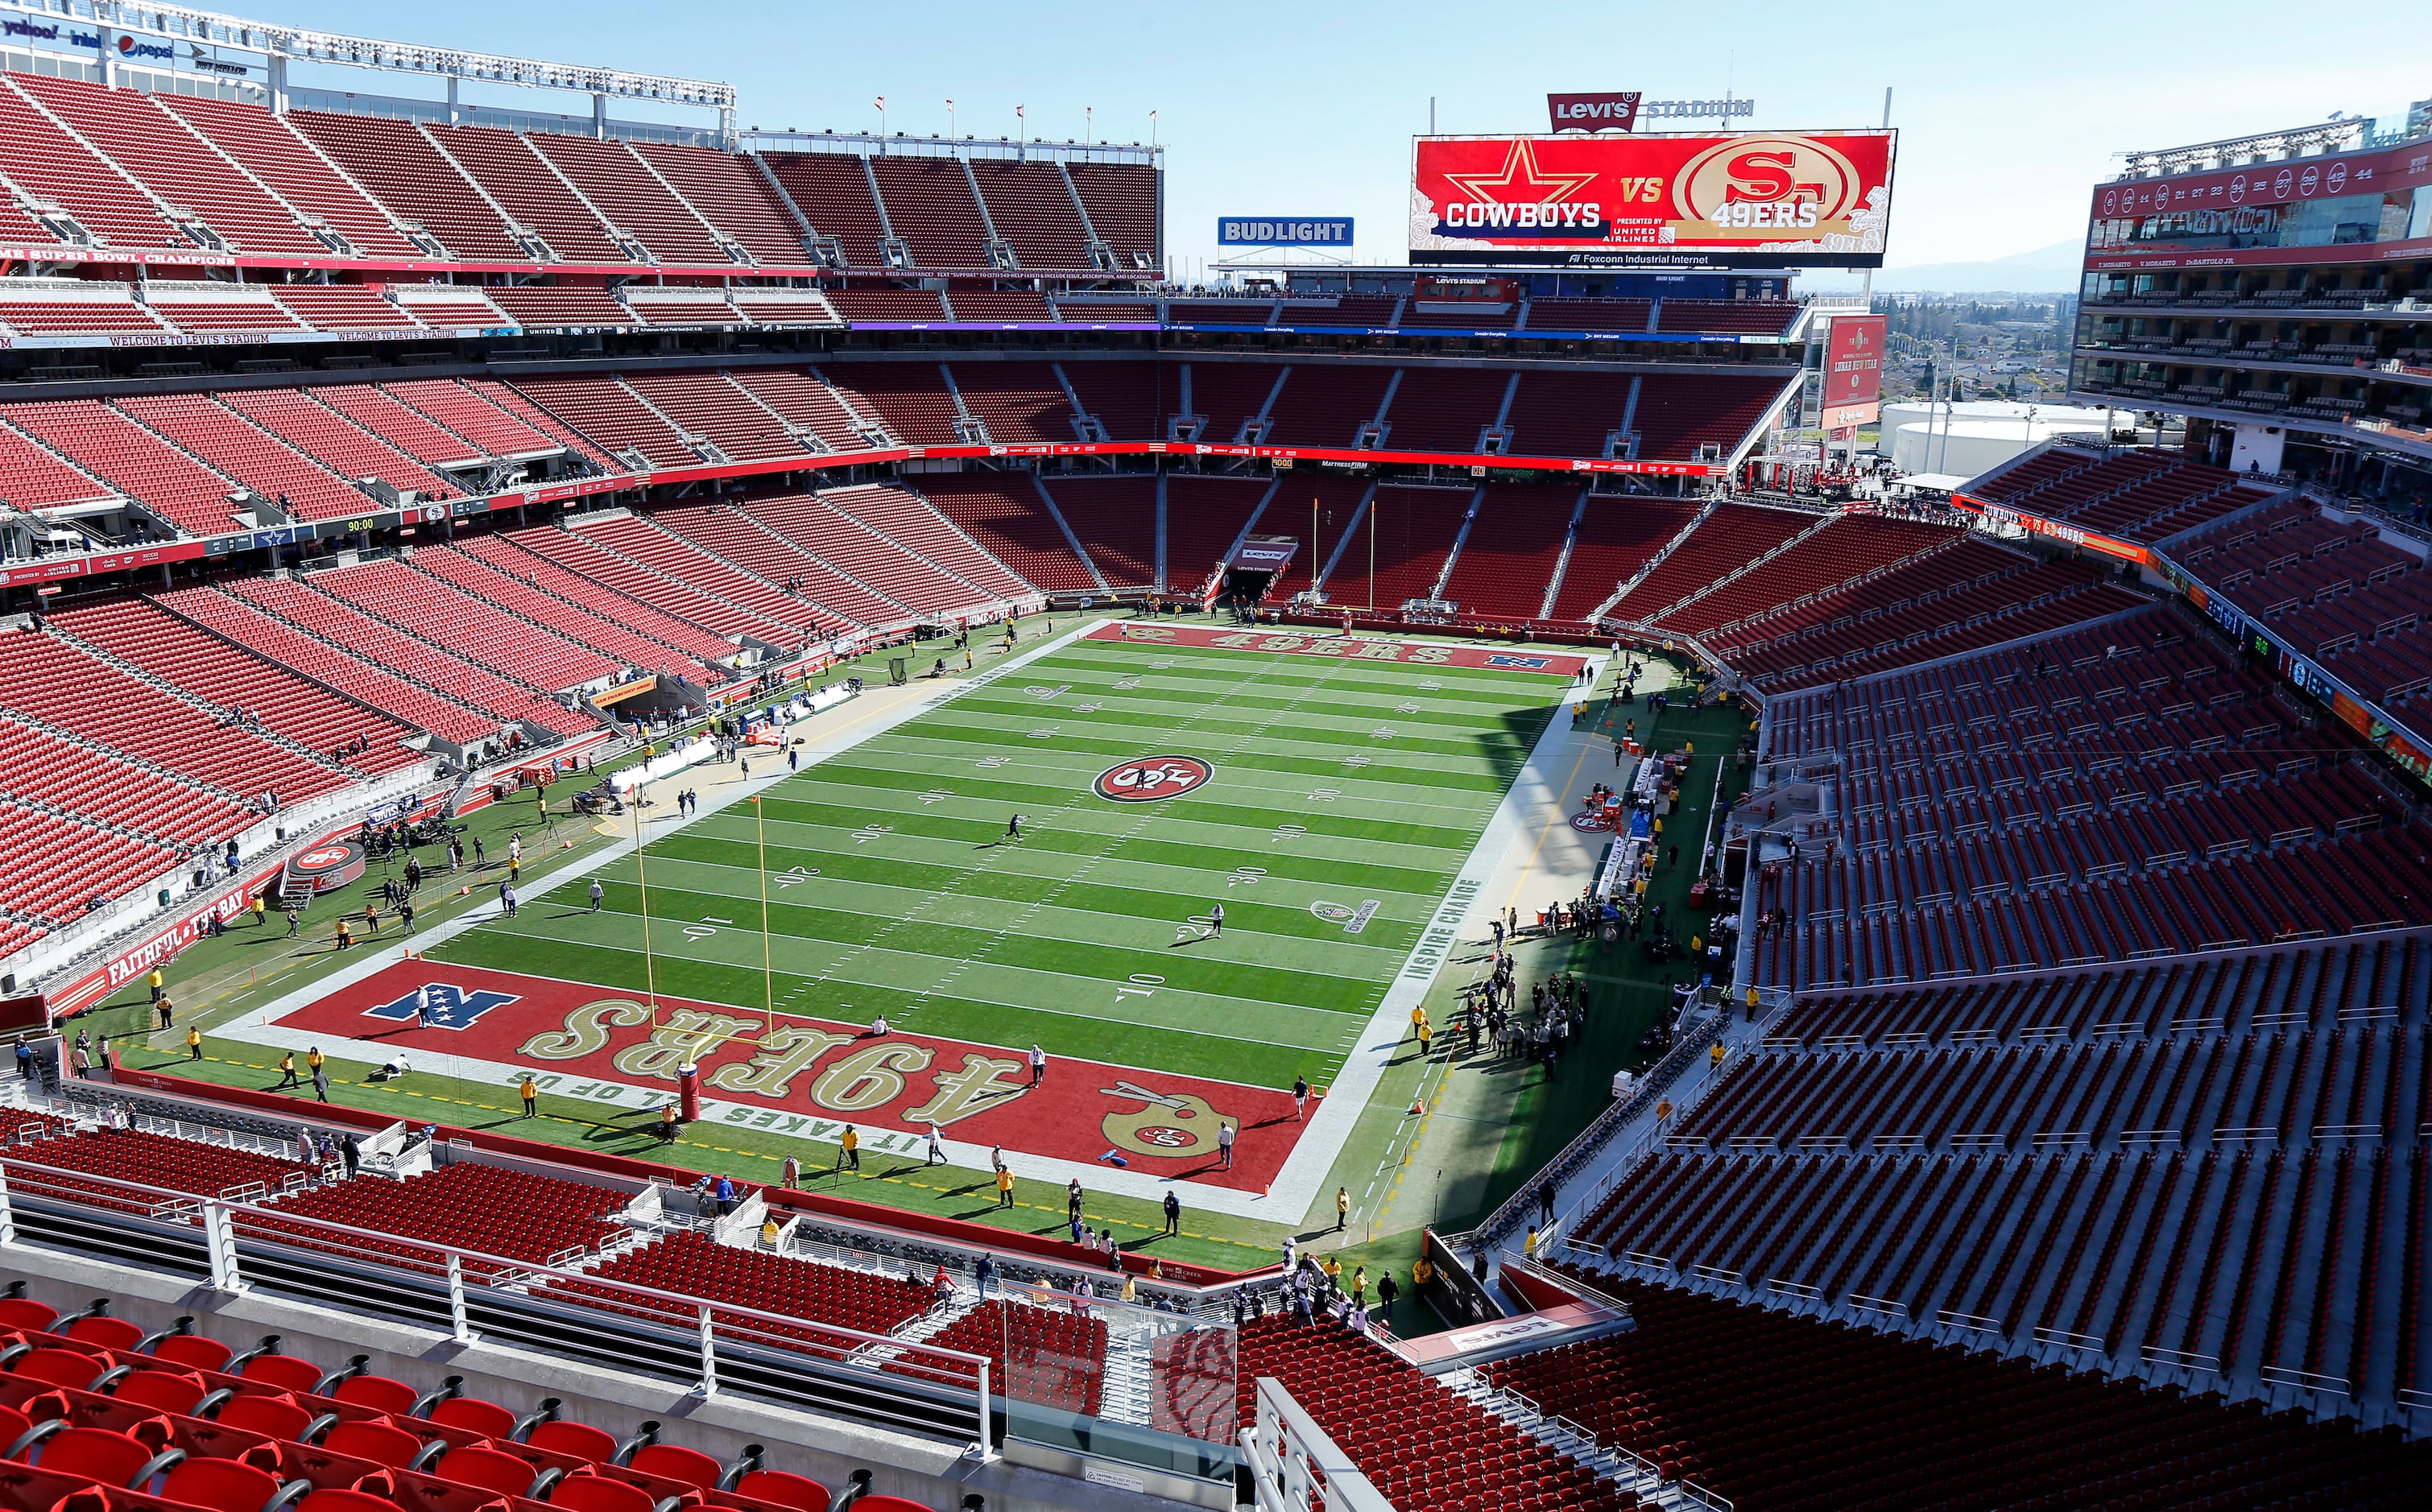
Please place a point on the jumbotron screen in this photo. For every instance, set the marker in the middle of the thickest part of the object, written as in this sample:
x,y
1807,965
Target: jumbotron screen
x,y
1743,200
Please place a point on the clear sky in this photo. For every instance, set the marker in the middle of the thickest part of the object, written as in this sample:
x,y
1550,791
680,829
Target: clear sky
x,y
2008,114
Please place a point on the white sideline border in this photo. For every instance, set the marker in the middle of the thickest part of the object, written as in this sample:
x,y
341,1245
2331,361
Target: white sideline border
x,y
1287,1201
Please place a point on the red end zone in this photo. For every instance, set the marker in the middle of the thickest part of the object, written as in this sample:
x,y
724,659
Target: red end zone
x,y
807,1077
1413,653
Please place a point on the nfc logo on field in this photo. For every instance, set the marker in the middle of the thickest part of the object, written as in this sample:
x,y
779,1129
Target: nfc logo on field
x,y
451,1006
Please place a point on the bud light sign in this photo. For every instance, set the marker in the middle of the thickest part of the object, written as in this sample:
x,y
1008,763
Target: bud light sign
x,y
1242,230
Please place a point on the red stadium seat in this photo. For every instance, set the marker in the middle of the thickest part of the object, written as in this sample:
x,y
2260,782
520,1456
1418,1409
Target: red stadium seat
x,y
784,1488
677,1463
287,1371
60,1368
110,1332
27,1314
382,1443
222,1485
487,1418
379,1392
95,1454
597,1493
579,1439
490,1470
194,1349
175,1391
272,1415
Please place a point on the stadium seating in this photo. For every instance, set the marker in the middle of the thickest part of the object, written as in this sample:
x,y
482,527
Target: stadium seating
x,y
728,191
1019,402
1121,200
268,147
1507,563
187,1166
831,191
999,306
911,399
343,307
561,304
207,667
1129,398
709,405
1843,550
202,309
57,866
1004,513
88,785
1116,518
405,172
48,307
758,540
1321,511
132,458
578,626
406,429
1724,542
57,167
468,412
418,707
615,180
1228,395
1326,405
1412,529
480,633
930,205
677,309
512,1214
852,547
767,612
637,577
807,1289
908,519
615,422
1726,317
34,475
1204,516
347,628
1443,410
336,441
2141,495
510,172
44,676
1037,1355
1619,316
1031,208
1618,535
1571,414
1679,418
802,400
241,449
1420,1444
506,555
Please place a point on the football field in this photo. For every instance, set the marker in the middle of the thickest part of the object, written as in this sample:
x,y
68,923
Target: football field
x,y
1325,793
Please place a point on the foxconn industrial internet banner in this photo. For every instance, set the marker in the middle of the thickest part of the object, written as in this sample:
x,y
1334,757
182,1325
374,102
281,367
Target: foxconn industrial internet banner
x,y
1743,200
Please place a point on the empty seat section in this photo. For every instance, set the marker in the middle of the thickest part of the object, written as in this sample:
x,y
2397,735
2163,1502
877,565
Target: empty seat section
x,y
1618,534
207,667
884,306
97,788
1507,563
1228,395
605,410
189,310
1407,532
52,166
852,548
784,620
249,627
477,631
134,460
1321,511
1844,548
1326,405
399,424
1123,201
1019,402
1567,414
504,554
1116,519
1726,317
804,400
47,308
60,867
1620,317
910,399
156,1160
158,148
707,404
398,165
560,305
269,147
512,1214
680,308
831,191
505,165
930,205
581,626
813,589
637,577
350,629
250,455
695,1265
999,306
1723,542
1204,516
344,307
728,193
1441,409
1342,313
785,307
450,306
906,518
1030,208
467,412
33,476
633,199
1130,398
41,676
1036,1355
1004,513
1678,417
336,441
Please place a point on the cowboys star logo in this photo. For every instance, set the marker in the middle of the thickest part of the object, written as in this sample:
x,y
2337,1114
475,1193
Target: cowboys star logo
x,y
1148,779
1521,182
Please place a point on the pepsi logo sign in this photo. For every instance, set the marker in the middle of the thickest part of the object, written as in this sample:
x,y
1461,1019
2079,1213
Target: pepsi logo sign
x,y
1150,779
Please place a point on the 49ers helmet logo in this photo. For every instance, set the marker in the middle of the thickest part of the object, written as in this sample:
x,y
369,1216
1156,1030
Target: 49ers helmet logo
x,y
1147,779
1793,183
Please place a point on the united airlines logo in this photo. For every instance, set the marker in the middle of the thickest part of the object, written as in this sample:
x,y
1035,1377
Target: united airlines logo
x,y
441,1005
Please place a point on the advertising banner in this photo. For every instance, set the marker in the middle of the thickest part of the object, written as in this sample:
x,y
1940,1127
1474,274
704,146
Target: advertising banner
x,y
1853,371
1593,112
1284,230
1752,200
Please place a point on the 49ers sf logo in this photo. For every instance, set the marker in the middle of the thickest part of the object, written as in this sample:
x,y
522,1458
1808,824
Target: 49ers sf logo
x,y
1771,183
1147,779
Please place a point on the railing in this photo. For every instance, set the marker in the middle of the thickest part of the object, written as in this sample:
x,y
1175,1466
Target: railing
x,y
1295,1468
712,1347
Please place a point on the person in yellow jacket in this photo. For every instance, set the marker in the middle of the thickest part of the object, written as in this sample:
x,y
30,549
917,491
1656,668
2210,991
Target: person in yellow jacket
x,y
849,1148
1004,1186
194,1043
1342,1208
530,1091
287,1070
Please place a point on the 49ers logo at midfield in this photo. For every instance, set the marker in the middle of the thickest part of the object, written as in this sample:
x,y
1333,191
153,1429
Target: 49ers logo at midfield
x,y
1147,779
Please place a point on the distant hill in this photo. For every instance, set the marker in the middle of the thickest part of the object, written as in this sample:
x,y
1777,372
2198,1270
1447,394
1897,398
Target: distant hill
x,y
2053,269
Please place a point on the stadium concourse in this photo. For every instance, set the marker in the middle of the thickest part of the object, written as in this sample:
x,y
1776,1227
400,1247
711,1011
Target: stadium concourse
x,y
1098,804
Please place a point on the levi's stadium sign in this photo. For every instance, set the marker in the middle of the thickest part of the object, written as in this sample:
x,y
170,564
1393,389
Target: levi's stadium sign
x,y
1760,199
1593,112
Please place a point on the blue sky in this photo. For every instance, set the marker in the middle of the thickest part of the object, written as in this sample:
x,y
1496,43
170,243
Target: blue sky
x,y
2008,115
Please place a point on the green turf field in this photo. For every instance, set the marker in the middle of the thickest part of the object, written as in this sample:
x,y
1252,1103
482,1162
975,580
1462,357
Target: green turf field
x,y
894,889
